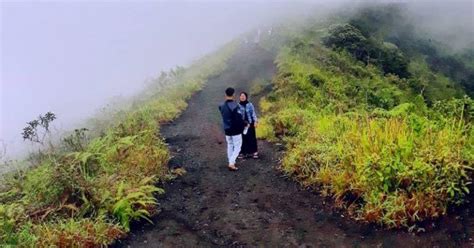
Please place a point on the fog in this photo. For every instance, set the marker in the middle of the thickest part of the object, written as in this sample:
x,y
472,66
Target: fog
x,y
451,22
71,58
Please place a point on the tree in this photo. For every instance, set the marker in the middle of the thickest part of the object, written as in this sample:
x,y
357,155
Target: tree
x,y
31,132
346,36
367,49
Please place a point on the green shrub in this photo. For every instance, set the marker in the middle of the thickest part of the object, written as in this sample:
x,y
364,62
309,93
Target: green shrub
x,y
134,203
42,186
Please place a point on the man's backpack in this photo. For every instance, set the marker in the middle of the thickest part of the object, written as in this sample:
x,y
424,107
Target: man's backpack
x,y
237,122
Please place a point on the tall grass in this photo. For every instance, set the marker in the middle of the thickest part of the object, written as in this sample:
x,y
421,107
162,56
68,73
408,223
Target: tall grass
x,y
86,195
385,170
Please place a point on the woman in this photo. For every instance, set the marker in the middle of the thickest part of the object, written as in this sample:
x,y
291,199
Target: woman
x,y
249,143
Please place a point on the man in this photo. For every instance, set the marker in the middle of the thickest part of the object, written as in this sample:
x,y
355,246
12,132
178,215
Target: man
x,y
233,126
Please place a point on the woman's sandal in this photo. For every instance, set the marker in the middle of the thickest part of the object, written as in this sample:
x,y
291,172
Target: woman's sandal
x,y
255,156
234,168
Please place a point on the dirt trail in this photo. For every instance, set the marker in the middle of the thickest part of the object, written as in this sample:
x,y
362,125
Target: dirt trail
x,y
256,206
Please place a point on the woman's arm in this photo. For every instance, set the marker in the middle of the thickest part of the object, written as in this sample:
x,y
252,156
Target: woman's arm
x,y
254,113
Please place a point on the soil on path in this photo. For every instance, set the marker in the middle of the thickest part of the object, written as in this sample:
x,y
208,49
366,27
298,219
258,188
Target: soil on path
x,y
256,206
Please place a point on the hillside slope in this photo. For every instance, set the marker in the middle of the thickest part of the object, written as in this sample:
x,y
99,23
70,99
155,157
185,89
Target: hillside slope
x,y
256,206
379,126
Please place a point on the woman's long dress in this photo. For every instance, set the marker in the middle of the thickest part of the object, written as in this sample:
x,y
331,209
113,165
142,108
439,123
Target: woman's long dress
x,y
249,141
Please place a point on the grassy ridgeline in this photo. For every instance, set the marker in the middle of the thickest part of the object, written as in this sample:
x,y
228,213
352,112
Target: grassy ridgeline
x,y
391,149
87,194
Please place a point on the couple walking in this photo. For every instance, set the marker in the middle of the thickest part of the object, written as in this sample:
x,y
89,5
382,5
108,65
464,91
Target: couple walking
x,y
240,121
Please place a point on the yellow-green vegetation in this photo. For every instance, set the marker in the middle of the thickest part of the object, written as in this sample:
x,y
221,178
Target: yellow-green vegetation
x,y
259,85
371,124
86,194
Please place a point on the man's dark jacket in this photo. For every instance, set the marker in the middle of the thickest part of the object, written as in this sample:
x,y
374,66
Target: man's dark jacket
x,y
229,128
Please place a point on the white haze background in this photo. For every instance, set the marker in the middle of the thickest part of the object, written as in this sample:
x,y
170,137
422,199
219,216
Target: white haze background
x,y
71,58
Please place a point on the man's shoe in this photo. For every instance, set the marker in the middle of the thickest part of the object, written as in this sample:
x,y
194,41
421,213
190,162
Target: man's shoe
x,y
232,168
